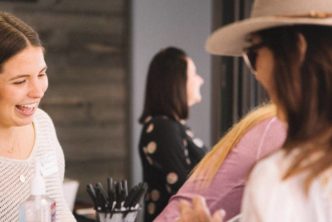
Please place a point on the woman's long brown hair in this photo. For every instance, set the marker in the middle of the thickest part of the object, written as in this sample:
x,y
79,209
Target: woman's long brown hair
x,y
303,87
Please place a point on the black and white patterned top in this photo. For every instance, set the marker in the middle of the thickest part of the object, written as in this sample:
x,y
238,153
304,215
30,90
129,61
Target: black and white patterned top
x,y
168,151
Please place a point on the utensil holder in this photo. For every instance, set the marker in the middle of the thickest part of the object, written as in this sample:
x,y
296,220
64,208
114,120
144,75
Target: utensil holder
x,y
118,216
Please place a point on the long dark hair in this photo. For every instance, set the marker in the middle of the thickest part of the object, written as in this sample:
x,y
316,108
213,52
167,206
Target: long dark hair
x,y
166,85
15,36
303,86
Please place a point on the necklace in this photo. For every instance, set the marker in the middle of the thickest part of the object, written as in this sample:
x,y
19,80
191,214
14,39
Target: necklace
x,y
11,150
10,147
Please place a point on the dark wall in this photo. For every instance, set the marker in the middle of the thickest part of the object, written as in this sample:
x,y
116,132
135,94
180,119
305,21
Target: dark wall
x,y
86,51
236,90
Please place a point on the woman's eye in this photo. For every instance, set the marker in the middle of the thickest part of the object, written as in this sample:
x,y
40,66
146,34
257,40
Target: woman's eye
x,y
42,75
20,82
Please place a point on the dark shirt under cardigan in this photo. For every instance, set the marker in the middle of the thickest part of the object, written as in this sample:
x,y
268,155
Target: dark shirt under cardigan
x,y
168,151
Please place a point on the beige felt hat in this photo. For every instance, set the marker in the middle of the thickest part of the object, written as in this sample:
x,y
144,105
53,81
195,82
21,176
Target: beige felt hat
x,y
230,39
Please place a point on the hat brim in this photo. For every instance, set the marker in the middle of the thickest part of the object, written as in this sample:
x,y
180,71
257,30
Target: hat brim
x,y
230,40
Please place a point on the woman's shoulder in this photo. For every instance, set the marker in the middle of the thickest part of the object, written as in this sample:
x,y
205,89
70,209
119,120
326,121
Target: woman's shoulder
x,y
269,173
264,137
41,114
42,118
272,165
162,128
162,122
271,123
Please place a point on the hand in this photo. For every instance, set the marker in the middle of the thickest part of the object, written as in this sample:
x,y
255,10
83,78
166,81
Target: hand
x,y
198,212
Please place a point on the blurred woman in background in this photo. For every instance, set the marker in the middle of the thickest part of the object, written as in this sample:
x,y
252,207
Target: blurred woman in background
x,y
168,148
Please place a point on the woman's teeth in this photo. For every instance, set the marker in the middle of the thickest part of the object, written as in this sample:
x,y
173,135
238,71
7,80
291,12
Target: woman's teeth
x,y
26,108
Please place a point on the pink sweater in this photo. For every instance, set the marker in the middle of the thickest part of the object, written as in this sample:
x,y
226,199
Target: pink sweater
x,y
226,189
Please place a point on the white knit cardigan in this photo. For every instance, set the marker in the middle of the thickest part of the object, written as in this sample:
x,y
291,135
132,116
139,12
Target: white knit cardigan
x,y
16,175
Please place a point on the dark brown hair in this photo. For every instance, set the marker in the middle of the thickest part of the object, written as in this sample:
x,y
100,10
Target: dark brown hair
x,y
303,87
15,36
166,85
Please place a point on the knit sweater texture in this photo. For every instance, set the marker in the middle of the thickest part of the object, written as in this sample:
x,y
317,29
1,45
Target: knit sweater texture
x,y
16,175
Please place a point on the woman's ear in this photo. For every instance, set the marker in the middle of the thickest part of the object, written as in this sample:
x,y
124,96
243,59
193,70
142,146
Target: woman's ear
x,y
302,44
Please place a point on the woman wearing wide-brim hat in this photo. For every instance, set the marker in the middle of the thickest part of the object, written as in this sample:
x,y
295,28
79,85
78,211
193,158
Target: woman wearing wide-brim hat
x,y
288,46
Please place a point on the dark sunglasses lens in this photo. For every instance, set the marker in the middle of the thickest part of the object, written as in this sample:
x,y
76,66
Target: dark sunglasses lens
x,y
252,56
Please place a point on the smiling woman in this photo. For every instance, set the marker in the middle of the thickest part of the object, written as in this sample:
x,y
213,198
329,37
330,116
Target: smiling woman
x,y
23,82
27,134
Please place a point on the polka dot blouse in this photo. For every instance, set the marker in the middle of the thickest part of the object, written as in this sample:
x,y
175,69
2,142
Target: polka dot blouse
x,y
168,151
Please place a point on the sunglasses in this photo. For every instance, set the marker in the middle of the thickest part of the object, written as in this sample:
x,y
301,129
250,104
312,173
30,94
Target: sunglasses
x,y
250,56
